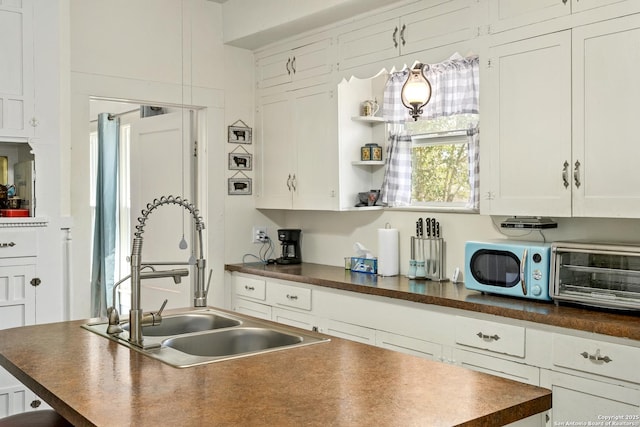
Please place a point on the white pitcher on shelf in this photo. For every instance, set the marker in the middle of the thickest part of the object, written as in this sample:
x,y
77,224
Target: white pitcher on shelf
x,y
369,107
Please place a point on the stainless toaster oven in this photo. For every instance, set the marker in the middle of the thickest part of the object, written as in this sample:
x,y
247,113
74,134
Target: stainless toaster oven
x,y
596,274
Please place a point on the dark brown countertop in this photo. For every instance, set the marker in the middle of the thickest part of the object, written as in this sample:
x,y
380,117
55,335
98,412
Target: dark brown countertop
x,y
452,295
91,380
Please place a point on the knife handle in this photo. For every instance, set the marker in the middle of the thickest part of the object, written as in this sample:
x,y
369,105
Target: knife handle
x,y
428,228
437,232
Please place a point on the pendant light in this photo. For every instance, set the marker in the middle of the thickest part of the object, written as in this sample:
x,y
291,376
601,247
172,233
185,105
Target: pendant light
x,y
416,91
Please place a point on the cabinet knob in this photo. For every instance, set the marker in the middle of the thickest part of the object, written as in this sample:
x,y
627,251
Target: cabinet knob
x,y
486,337
565,174
596,358
7,244
576,174
393,37
292,297
249,288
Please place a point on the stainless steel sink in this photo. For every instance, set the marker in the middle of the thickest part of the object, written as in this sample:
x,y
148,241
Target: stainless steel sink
x,y
202,336
186,323
232,342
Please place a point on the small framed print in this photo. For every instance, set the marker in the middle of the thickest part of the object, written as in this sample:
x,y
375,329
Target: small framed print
x,y
239,186
240,161
239,135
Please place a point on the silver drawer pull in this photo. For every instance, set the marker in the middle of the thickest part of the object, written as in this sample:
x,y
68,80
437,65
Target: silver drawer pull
x,y
249,288
293,297
7,245
485,337
596,358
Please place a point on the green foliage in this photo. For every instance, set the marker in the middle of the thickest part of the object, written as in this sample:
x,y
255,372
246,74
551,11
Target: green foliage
x,y
440,173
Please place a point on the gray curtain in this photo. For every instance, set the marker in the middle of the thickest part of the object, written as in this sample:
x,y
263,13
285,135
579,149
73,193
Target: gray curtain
x,y
106,226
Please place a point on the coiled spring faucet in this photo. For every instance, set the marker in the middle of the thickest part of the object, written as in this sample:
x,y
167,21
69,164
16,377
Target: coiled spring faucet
x,y
136,315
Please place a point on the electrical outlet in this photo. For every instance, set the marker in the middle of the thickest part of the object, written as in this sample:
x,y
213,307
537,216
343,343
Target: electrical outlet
x,y
259,234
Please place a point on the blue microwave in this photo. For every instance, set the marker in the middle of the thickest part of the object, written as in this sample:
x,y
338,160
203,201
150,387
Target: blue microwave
x,y
509,267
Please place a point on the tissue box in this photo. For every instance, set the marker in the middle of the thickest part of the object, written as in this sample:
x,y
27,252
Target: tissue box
x,y
364,265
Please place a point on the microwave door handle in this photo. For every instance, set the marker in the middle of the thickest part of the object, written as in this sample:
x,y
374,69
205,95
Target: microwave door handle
x,y
523,268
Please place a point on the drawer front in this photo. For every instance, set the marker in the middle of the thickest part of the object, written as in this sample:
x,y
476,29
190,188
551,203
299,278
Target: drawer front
x,y
491,336
496,366
250,308
18,243
408,345
294,318
596,357
249,287
350,332
289,296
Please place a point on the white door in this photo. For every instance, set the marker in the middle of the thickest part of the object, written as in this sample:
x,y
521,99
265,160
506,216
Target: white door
x,y
605,113
527,137
162,159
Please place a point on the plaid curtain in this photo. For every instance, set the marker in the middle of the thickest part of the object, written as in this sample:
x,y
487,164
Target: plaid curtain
x,y
455,87
396,184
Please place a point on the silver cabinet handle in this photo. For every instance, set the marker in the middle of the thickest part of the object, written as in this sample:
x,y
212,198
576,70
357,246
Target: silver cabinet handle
x,y
576,174
596,358
393,37
564,1
404,27
522,271
293,182
293,65
565,174
7,245
287,66
249,288
493,337
292,297
289,182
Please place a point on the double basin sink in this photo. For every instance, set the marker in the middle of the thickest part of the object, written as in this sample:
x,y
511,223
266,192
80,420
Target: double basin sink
x,y
201,336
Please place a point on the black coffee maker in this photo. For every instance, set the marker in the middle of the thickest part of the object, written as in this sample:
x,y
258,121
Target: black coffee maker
x,y
290,241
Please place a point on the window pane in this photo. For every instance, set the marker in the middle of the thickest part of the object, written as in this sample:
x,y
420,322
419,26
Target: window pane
x,y
440,173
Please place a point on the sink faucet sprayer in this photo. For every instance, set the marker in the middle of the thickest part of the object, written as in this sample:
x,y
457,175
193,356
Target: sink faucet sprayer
x,y
137,318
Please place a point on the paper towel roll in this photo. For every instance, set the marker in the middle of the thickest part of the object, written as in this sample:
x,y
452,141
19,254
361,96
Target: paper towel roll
x,y
388,257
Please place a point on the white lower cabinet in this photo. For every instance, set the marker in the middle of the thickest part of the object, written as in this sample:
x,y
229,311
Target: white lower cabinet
x,y
585,401
592,379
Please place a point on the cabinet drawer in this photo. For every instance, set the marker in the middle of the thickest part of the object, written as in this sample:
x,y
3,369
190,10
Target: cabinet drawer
x,y
408,345
495,337
251,308
248,287
289,296
596,357
18,244
350,332
294,318
499,367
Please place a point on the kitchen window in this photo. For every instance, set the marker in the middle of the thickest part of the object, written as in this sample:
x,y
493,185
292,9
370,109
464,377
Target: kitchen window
x,y
434,162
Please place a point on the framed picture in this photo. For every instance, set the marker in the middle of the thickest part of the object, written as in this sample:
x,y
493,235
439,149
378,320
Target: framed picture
x,y
239,186
240,161
239,135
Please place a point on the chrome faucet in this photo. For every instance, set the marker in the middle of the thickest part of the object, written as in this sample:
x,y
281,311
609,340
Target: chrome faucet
x,y
137,318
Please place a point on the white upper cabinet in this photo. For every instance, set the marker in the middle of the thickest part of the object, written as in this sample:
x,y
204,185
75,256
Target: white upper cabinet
x,y
306,61
510,14
528,127
606,61
297,150
440,24
16,68
561,140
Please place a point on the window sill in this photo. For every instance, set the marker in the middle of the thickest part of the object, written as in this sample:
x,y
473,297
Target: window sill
x,y
439,209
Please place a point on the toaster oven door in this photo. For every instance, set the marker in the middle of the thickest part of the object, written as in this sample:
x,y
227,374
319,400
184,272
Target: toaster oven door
x,y
603,276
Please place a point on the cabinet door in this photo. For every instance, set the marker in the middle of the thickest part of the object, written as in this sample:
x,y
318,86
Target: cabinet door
x,y
312,60
17,308
606,93
315,137
439,25
373,43
507,14
16,71
273,70
409,345
581,401
528,131
274,153
294,318
496,366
